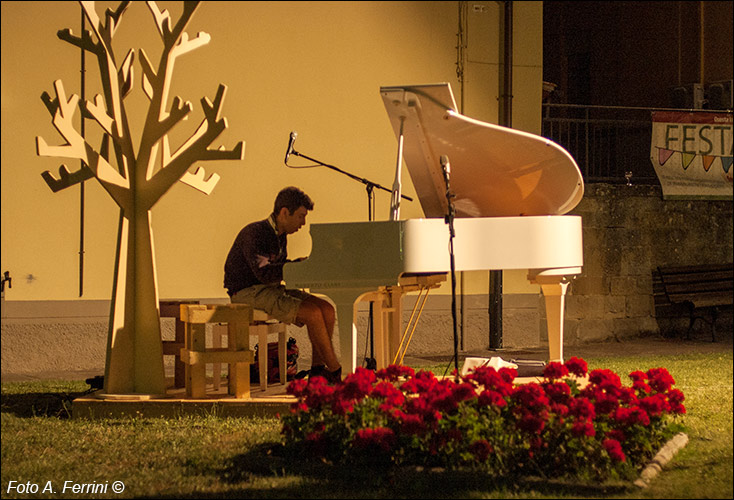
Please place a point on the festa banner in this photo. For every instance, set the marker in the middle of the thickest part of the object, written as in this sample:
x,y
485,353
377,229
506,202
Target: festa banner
x,y
691,152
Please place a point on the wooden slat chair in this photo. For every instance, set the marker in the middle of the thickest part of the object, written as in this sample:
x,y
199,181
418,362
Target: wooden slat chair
x,y
172,309
237,355
261,326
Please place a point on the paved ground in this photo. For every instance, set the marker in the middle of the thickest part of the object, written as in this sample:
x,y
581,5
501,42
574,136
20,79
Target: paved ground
x,y
650,345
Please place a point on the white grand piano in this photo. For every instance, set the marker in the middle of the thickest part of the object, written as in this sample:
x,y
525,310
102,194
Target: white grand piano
x,y
511,190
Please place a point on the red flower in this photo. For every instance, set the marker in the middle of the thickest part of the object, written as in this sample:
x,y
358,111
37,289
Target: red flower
x,y
299,406
631,416
604,403
642,417
558,392
581,408
614,449
659,379
442,397
583,428
394,372
675,396
530,397
454,435
655,405
463,391
623,415
358,384
675,400
641,387
536,443
491,398
626,395
296,387
555,370
411,405
638,376
508,374
559,409
605,379
422,382
317,392
532,423
381,438
489,378
678,409
423,406
576,366
392,395
410,423
342,406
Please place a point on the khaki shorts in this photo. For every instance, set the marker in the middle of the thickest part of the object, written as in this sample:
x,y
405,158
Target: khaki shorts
x,y
276,300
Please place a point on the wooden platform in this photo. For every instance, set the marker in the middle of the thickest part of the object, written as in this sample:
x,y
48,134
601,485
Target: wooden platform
x,y
271,402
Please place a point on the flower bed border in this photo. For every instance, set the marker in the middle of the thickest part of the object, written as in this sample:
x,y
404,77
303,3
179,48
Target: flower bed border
x,y
661,459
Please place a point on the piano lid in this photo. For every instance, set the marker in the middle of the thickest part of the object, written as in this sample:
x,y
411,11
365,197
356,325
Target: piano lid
x,y
495,171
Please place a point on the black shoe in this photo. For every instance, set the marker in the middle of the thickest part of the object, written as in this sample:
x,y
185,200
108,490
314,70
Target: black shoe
x,y
334,377
321,371
317,371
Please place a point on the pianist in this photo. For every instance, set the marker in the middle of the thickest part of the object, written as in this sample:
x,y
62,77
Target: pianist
x,y
253,274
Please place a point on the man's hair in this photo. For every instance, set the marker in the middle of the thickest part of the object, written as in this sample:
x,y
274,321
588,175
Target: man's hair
x,y
291,198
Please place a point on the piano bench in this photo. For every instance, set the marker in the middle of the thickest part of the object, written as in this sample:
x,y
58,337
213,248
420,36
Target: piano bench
x,y
195,355
261,326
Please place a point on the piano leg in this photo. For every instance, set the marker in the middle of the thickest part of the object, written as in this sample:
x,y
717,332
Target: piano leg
x,y
388,317
345,301
554,286
393,323
555,295
387,323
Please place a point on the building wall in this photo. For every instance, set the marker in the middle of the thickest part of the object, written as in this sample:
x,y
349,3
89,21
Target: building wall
x,y
628,231
311,67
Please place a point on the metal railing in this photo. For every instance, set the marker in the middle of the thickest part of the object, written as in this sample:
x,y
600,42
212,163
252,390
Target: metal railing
x,y
609,143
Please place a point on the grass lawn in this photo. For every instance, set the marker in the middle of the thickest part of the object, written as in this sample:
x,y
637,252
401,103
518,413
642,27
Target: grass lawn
x,y
210,457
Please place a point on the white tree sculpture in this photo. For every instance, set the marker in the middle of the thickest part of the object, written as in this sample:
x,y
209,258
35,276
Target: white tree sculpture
x,y
134,361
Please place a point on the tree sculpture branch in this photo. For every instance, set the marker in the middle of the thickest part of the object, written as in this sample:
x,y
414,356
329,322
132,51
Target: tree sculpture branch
x,y
114,92
108,112
76,147
196,148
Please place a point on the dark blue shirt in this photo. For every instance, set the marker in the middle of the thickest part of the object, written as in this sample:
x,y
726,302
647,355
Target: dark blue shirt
x,y
256,257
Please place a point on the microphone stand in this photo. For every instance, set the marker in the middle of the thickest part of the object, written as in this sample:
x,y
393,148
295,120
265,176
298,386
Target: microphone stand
x,y
368,183
449,218
370,187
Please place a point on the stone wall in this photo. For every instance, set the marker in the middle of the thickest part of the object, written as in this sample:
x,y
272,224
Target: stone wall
x,y
629,231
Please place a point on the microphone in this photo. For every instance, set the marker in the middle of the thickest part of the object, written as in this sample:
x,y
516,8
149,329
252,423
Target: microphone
x,y
446,167
289,151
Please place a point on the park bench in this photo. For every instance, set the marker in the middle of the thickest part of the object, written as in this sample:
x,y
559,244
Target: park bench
x,y
694,289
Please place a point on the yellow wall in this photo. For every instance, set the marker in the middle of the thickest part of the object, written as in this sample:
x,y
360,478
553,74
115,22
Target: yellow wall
x,y
312,67
482,92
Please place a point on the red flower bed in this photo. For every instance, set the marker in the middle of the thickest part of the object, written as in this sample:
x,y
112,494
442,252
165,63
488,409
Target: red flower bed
x,y
396,416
